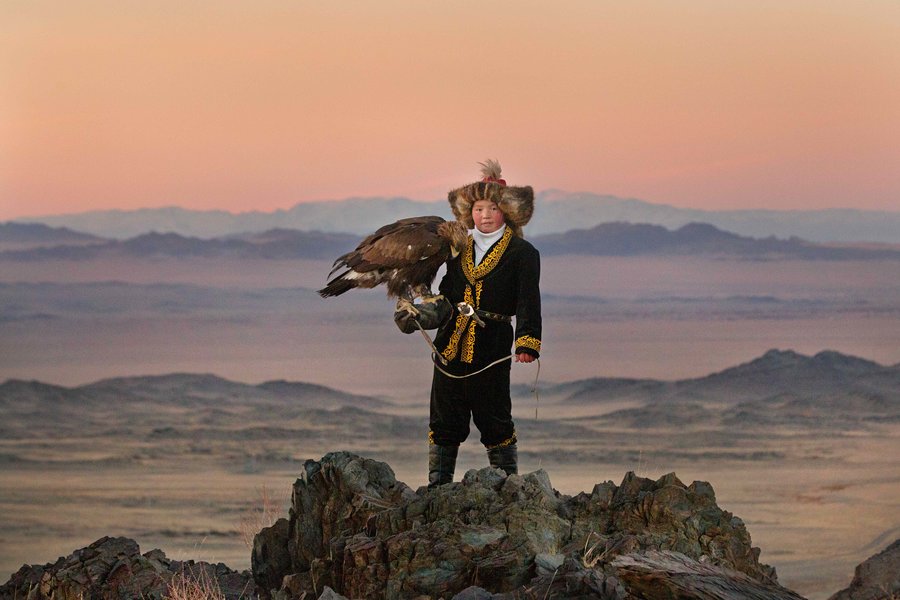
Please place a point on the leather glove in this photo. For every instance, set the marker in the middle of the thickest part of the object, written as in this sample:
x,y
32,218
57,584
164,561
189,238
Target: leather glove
x,y
431,316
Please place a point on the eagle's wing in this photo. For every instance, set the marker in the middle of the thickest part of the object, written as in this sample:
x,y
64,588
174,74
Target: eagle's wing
x,y
397,245
402,255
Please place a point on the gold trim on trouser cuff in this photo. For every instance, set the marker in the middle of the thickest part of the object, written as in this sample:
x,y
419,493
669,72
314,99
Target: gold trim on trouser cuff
x,y
507,442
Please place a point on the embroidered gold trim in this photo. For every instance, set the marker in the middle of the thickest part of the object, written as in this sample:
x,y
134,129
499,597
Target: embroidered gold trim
x,y
461,321
526,341
507,442
431,438
488,263
468,352
450,351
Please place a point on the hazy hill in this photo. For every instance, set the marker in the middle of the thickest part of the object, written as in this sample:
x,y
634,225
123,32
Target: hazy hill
x,y
608,239
556,212
273,244
200,408
780,372
354,215
627,239
829,390
177,389
19,236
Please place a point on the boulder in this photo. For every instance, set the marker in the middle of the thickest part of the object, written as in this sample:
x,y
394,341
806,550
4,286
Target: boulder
x,y
876,578
113,568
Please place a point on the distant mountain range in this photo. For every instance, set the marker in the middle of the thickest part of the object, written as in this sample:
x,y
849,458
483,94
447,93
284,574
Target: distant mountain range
x,y
779,389
272,244
627,239
184,414
181,389
608,239
556,212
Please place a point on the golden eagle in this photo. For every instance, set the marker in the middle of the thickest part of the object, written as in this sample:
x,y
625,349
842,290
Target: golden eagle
x,y
405,255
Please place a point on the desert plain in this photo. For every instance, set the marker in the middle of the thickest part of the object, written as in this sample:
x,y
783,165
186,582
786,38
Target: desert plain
x,y
157,422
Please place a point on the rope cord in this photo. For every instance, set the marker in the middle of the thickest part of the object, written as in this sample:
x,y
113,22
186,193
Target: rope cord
x,y
496,362
436,355
534,386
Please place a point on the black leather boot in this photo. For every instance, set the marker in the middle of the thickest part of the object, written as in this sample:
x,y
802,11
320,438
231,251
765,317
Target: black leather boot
x,y
506,458
441,464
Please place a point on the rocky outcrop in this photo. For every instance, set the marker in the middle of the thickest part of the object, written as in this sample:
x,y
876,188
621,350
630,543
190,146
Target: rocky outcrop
x,y
876,578
357,531
354,531
114,568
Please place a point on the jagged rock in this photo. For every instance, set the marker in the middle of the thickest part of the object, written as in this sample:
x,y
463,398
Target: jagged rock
x,y
268,561
876,578
355,528
664,575
114,568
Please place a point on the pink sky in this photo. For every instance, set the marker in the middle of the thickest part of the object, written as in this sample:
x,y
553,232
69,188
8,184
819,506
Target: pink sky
x,y
260,105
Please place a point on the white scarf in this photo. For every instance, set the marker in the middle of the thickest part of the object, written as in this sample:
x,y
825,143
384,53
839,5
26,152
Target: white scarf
x,y
483,241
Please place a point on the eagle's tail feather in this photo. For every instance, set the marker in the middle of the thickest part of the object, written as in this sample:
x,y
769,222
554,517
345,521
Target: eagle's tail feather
x,y
336,287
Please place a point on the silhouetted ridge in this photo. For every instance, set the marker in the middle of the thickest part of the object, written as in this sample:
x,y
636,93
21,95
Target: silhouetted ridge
x,y
38,233
636,239
273,244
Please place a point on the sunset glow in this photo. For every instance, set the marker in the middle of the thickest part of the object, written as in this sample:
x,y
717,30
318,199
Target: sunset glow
x,y
257,106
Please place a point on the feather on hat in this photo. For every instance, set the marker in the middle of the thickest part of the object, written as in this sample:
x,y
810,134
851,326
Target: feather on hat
x,y
516,203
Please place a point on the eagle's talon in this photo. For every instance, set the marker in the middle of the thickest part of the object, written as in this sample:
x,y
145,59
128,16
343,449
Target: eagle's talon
x,y
406,305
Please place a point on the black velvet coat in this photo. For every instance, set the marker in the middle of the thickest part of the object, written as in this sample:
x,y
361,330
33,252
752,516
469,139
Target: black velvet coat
x,y
505,282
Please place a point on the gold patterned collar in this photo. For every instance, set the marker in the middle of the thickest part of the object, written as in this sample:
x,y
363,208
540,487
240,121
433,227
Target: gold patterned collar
x,y
490,260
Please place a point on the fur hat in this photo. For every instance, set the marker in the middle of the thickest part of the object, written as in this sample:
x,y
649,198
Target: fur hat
x,y
516,203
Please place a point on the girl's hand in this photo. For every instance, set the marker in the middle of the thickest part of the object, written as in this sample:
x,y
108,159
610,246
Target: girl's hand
x,y
524,357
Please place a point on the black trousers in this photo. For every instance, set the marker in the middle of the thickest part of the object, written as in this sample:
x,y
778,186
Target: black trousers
x,y
483,398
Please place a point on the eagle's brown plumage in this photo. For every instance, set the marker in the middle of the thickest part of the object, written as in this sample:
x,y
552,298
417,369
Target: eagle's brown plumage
x,y
405,255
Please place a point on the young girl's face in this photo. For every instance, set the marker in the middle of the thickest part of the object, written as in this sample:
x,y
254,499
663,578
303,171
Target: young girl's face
x,y
487,216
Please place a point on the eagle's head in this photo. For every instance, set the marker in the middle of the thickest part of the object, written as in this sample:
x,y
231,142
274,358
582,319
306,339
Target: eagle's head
x,y
457,234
